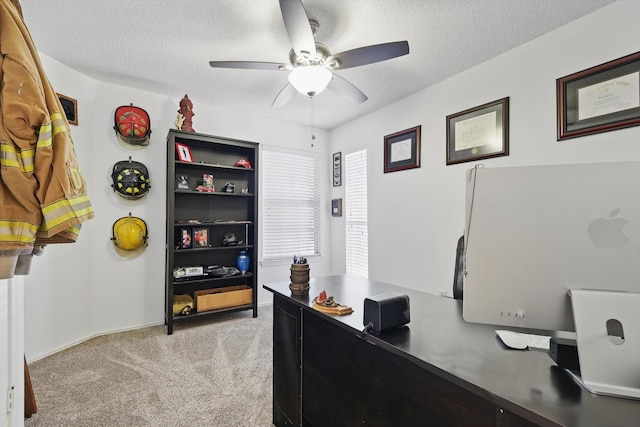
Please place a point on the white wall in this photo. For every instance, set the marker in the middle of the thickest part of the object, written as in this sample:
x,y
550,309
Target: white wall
x,y
417,215
79,290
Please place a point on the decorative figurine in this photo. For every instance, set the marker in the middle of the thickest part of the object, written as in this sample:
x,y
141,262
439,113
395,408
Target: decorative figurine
x,y
329,305
185,115
179,121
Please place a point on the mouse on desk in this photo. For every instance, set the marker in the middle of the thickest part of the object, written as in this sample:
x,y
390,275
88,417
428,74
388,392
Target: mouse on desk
x,y
512,339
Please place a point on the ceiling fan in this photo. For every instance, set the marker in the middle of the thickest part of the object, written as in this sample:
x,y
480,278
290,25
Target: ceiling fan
x,y
311,64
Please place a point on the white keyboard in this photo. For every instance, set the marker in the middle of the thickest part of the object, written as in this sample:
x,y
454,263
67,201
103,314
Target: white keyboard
x,y
537,341
521,340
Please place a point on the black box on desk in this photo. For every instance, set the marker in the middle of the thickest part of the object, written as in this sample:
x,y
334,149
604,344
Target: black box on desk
x,y
386,311
565,353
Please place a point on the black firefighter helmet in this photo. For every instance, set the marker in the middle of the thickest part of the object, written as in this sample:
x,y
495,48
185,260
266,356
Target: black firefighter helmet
x,y
130,179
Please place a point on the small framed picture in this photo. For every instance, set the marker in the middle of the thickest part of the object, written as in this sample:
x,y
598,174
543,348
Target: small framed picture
x,y
70,108
182,182
201,237
185,238
402,150
336,207
207,182
337,169
184,152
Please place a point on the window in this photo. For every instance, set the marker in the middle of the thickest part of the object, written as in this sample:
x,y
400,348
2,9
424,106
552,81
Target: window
x,y
356,214
291,206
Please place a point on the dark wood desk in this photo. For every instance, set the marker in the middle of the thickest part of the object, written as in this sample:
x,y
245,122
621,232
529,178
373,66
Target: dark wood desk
x,y
436,371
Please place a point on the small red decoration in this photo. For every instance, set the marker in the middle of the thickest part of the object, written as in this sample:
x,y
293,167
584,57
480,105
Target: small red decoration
x,y
320,299
186,111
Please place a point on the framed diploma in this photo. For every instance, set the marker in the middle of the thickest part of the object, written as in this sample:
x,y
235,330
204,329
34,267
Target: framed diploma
x,y
478,133
599,99
402,150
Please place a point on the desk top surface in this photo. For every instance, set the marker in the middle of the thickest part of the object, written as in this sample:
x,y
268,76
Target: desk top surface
x,y
525,382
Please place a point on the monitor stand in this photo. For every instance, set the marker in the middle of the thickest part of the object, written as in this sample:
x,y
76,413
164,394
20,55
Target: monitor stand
x,y
608,339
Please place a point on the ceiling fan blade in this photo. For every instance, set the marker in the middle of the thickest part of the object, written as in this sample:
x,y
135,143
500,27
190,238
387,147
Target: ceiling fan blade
x,y
369,54
249,65
297,24
284,96
346,89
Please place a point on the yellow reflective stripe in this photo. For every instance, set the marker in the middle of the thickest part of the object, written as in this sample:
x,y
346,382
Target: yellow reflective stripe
x,y
44,137
27,157
75,230
9,156
22,160
17,232
59,124
48,131
88,210
73,204
65,210
56,117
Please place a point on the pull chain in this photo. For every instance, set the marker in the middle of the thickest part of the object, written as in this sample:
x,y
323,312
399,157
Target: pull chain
x,y
313,135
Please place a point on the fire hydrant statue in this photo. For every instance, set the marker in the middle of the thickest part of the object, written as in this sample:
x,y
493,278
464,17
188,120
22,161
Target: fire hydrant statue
x,y
185,114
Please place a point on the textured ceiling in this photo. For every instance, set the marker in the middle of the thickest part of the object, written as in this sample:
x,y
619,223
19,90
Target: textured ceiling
x,y
165,46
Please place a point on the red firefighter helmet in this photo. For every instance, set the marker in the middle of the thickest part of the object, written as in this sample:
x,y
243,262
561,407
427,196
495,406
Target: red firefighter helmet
x,y
132,125
243,163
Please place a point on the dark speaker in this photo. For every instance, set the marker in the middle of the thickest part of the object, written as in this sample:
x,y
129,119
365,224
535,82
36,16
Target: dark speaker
x,y
565,353
386,311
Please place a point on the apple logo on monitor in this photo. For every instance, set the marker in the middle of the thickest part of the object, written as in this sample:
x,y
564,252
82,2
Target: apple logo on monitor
x,y
608,232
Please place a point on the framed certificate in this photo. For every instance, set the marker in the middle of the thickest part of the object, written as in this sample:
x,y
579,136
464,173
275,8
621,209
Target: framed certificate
x,y
478,133
599,99
402,150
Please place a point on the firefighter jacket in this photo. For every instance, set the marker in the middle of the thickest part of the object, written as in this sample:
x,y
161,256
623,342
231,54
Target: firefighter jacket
x,y
43,195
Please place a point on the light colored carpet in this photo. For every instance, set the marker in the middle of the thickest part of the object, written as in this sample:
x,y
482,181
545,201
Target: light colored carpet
x,y
214,371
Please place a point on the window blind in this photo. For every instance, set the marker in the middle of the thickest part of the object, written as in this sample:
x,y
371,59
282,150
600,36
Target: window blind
x,y
357,238
291,203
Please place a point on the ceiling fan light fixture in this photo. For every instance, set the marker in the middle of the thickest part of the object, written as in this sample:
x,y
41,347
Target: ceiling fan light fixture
x,y
310,80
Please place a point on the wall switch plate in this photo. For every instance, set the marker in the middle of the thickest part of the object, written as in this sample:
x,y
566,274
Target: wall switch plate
x,y
10,399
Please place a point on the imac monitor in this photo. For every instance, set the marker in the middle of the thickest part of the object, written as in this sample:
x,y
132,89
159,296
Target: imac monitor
x,y
533,233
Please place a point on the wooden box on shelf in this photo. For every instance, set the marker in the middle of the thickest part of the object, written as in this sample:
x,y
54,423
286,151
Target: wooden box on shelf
x,y
229,296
